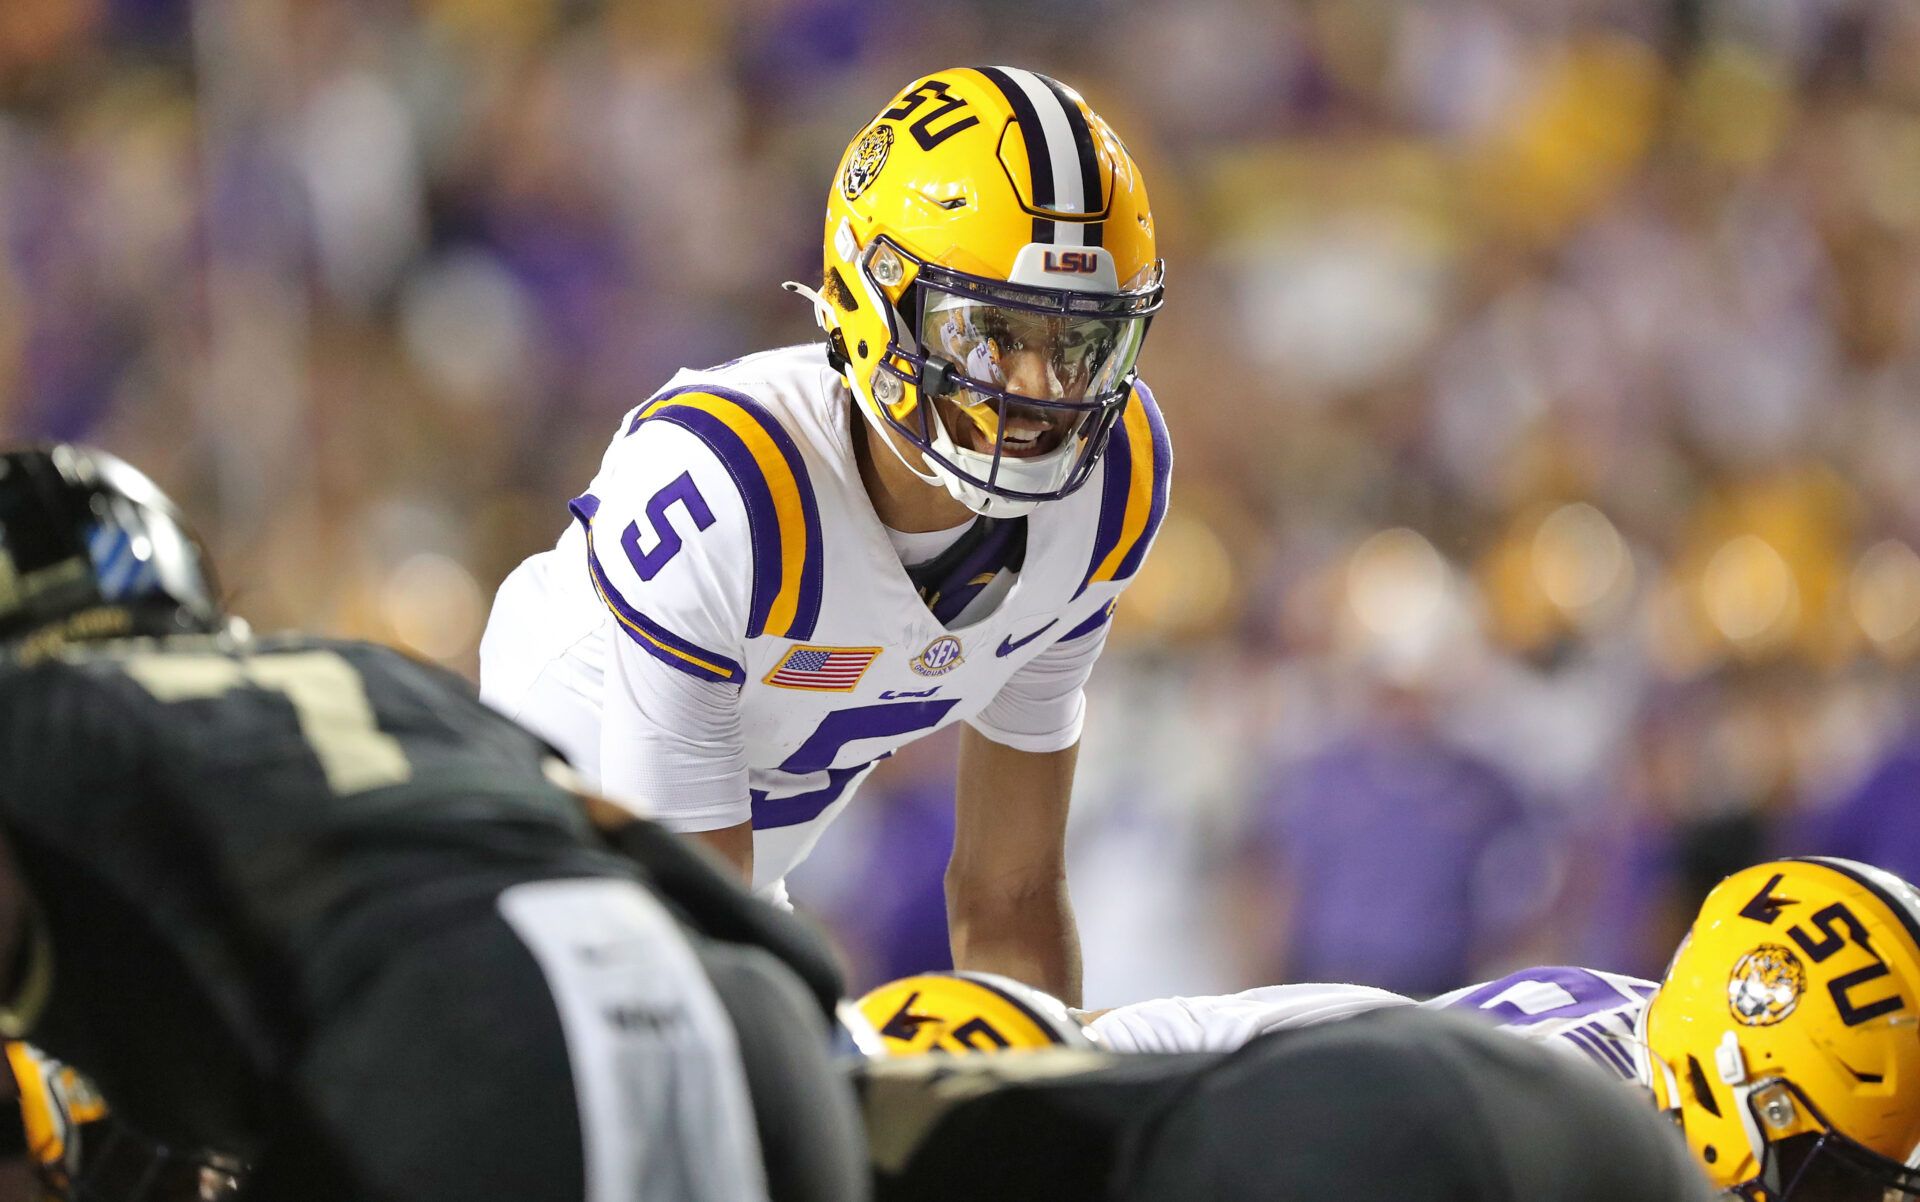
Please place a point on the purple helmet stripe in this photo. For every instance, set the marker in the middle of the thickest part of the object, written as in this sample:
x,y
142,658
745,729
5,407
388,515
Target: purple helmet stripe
x,y
1039,159
1089,163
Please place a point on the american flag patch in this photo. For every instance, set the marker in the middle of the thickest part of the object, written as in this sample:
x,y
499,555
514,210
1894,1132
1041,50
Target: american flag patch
x,y
825,669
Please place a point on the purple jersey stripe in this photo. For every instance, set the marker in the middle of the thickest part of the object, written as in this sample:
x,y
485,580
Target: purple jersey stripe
x,y
763,525
1093,623
1162,473
769,813
1599,1050
1116,476
1592,1053
769,551
655,639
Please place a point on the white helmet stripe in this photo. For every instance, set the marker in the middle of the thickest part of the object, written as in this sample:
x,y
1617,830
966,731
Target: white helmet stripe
x,y
1063,158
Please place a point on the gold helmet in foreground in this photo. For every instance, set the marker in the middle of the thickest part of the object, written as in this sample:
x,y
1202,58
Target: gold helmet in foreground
x,y
1786,1037
968,1012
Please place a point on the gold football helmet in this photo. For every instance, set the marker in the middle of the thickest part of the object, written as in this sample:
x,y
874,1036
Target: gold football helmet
x,y
990,274
1786,1037
966,1012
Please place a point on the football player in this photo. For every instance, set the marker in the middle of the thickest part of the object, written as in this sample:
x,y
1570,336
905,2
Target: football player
x,y
1785,1038
1403,1104
791,565
282,897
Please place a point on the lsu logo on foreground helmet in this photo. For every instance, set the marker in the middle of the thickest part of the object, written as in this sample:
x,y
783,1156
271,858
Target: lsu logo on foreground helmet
x,y
1786,1037
965,1012
990,273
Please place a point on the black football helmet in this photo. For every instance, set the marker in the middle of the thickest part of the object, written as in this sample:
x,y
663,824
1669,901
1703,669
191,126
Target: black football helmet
x,y
91,548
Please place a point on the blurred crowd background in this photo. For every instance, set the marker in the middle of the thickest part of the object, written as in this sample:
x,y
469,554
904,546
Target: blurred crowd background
x,y
1542,375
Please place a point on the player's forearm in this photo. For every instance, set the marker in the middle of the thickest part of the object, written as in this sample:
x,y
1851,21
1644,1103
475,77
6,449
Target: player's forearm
x,y
1007,905
1029,936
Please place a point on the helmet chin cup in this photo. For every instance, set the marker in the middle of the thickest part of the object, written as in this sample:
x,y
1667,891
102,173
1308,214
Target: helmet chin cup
x,y
1037,475
1041,474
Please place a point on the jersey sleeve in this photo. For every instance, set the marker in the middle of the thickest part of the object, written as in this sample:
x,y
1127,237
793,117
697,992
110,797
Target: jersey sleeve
x,y
1576,1011
702,533
1221,1024
1042,706
668,554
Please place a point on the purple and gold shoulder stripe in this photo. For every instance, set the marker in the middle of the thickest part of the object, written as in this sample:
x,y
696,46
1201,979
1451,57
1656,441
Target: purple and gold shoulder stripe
x,y
649,635
1133,491
783,515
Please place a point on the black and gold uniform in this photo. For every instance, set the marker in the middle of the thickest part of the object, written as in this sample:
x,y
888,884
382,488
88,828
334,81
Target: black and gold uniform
x,y
310,903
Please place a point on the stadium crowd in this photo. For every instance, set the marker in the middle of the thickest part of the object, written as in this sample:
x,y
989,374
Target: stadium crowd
x,y
1543,544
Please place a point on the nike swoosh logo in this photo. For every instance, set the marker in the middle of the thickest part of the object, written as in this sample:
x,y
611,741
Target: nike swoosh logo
x,y
1009,645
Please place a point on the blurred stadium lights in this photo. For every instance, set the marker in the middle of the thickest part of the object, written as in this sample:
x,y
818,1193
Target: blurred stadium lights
x,y
434,605
1883,595
1749,594
1407,620
1580,562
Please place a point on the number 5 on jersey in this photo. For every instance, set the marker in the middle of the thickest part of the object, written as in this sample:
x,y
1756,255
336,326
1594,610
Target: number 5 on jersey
x,y
666,540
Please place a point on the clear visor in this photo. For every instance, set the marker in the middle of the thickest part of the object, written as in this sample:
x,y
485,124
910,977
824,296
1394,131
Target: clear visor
x,y
1043,378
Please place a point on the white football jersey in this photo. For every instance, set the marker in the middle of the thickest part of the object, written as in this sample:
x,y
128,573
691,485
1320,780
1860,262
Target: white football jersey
x,y
1223,1023
1578,1011
728,537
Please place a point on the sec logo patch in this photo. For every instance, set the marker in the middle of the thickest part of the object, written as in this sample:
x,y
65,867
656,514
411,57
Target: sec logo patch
x,y
941,657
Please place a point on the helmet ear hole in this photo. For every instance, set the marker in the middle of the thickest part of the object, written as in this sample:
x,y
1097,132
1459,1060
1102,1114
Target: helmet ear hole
x,y
837,291
1702,1091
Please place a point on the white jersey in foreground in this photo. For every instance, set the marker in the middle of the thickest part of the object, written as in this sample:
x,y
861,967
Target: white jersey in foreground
x,y
1578,1011
726,631
1220,1024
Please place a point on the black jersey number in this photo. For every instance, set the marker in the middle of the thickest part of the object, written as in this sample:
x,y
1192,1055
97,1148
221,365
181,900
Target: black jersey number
x,y
328,698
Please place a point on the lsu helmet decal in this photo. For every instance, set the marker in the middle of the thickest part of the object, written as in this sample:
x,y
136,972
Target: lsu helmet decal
x,y
1786,1036
990,272
964,1012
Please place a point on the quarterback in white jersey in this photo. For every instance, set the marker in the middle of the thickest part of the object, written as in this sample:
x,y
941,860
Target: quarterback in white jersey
x,y
763,594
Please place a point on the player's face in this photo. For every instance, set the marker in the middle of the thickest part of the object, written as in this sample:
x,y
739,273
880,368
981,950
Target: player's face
x,y
1043,356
